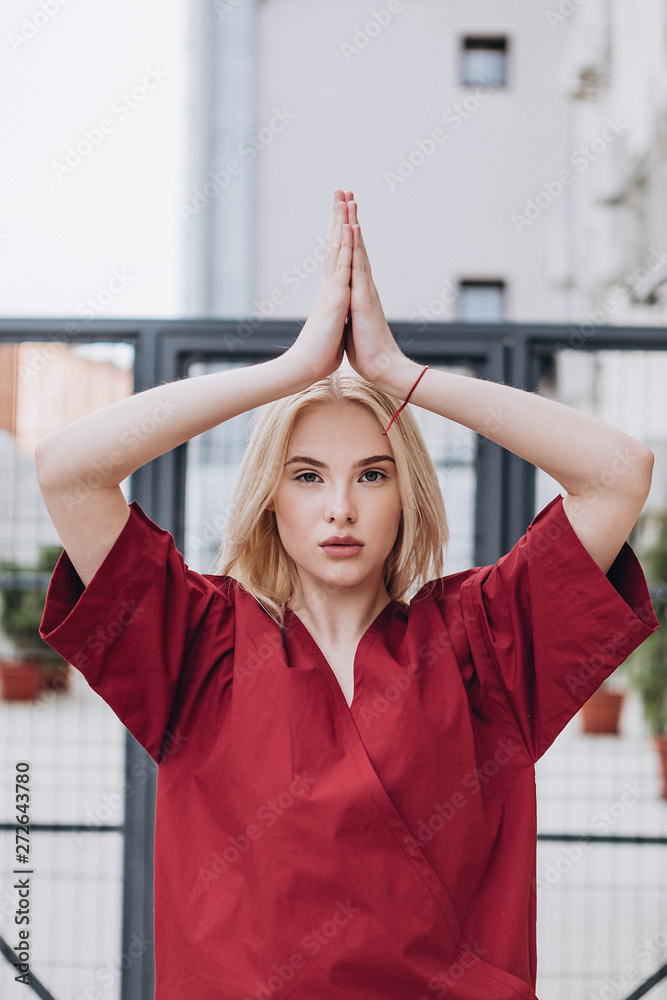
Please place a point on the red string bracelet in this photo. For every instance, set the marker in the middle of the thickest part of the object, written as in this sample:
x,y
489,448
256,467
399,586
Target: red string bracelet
x,y
406,400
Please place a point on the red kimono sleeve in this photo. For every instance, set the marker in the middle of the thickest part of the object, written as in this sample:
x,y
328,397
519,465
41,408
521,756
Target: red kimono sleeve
x,y
545,625
148,634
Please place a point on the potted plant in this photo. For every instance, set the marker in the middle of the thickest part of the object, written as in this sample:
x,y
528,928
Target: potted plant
x,y
35,665
601,714
648,664
20,680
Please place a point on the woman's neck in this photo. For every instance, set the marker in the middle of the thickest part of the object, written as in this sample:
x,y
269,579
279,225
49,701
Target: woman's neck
x,y
339,620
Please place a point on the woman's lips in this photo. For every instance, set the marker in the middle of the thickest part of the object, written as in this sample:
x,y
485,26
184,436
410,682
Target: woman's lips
x,y
341,551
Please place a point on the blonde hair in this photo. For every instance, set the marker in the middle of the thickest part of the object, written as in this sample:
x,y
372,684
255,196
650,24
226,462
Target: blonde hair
x,y
251,550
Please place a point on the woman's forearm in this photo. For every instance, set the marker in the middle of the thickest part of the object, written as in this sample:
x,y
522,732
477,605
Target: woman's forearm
x,y
583,454
115,441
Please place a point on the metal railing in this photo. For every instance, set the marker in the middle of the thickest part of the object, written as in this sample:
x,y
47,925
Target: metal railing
x,y
505,498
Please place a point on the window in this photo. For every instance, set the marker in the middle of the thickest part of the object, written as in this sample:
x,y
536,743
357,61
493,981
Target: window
x,y
484,61
481,301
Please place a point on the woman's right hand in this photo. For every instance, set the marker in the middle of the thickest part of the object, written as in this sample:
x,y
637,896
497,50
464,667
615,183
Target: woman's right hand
x,y
319,348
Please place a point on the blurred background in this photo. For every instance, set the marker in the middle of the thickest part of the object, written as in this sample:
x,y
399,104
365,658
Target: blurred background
x,y
167,180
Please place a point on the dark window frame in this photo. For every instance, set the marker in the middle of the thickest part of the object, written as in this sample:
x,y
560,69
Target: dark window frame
x,y
486,43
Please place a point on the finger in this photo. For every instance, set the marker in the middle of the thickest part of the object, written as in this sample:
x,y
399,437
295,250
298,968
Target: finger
x,y
347,196
352,213
332,221
344,262
335,222
360,247
334,236
360,258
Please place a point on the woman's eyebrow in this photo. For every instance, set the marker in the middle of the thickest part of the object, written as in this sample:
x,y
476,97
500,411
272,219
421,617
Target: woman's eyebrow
x,y
305,460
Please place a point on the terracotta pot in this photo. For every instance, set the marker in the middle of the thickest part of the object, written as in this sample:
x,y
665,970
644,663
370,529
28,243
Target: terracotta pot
x,y
55,676
20,679
602,711
661,745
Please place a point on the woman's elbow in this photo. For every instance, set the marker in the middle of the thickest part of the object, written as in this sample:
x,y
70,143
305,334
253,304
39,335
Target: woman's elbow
x,y
46,464
640,472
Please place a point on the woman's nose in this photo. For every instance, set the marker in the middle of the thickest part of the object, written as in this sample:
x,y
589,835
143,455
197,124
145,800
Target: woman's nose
x,y
340,503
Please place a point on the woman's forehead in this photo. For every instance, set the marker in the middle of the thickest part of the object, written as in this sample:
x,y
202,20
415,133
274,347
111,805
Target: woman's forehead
x,y
322,421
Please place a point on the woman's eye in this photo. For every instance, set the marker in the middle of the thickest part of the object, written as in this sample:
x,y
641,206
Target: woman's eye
x,y
369,472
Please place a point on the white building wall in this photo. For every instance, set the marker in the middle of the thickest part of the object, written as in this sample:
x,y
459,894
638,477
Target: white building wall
x,y
614,74
359,109
94,129
611,225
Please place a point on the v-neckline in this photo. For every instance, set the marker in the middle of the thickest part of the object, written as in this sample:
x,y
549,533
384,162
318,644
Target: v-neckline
x,y
368,635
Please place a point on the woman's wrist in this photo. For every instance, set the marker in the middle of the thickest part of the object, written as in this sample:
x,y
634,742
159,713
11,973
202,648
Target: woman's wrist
x,y
293,371
400,376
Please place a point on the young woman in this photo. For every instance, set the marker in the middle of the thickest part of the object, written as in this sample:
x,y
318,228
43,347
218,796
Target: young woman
x,y
346,798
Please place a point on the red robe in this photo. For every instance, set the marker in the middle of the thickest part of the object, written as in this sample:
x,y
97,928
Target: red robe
x,y
316,851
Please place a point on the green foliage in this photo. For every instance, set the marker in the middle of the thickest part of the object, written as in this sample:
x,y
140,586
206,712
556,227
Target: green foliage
x,y
648,664
22,608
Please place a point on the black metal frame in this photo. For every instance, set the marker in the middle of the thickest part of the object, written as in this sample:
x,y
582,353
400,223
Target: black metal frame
x,y
164,349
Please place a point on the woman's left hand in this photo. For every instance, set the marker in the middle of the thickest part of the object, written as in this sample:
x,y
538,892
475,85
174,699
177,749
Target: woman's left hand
x,y
369,343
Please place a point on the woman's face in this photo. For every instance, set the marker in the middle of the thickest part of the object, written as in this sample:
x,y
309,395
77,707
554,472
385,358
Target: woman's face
x,y
313,502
